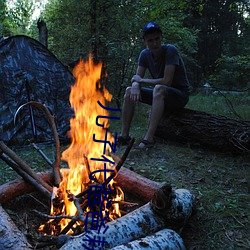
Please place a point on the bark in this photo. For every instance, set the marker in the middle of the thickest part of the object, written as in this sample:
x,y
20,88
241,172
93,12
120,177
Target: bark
x,y
10,237
212,131
15,188
137,185
161,240
150,218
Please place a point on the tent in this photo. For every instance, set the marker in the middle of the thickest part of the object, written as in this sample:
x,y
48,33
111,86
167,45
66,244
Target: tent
x,y
30,72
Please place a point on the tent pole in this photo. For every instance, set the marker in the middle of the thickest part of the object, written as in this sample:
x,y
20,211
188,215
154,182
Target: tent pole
x,y
33,125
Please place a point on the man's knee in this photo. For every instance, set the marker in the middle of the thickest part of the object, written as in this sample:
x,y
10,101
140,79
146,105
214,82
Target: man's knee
x,y
127,92
159,91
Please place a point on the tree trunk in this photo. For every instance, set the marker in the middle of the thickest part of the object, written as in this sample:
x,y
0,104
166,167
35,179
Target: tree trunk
x,y
212,131
10,237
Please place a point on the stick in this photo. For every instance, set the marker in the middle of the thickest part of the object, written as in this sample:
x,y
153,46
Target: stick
x,y
23,165
120,163
26,176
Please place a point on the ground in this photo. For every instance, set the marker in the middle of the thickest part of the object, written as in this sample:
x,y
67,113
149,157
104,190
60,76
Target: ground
x,y
219,180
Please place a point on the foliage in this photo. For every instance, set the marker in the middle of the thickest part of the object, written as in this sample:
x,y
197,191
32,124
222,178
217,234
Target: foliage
x,y
223,31
212,36
4,19
232,72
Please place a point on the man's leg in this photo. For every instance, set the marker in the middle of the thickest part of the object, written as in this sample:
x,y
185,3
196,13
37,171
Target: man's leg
x,y
157,111
128,110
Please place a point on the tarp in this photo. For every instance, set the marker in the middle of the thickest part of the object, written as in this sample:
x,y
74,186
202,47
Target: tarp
x,y
29,71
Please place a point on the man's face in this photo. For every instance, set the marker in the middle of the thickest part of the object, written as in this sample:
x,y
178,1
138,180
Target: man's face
x,y
153,40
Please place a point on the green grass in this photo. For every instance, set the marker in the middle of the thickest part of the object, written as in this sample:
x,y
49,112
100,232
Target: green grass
x,y
220,181
233,106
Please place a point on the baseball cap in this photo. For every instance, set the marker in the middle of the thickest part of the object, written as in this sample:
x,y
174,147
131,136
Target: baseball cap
x,y
150,26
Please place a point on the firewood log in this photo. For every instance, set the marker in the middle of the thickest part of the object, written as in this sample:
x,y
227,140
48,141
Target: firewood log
x,y
166,208
10,237
161,240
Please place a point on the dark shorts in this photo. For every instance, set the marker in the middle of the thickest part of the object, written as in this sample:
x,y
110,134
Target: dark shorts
x,y
174,100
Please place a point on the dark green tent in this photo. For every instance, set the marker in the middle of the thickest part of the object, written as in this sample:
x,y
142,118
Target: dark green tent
x,y
29,71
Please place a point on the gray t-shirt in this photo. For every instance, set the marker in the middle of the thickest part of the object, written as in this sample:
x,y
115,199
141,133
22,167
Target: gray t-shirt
x,y
171,56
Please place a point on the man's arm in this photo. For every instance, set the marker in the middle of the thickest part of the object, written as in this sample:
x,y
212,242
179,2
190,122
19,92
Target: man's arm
x,y
166,80
135,93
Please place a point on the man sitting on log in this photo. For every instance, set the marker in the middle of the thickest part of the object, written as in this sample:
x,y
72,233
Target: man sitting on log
x,y
168,89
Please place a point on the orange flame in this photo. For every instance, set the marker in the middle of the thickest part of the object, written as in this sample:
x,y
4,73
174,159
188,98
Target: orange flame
x,y
84,97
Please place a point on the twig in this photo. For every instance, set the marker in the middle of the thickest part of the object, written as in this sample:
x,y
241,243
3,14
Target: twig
x,y
120,163
52,217
24,166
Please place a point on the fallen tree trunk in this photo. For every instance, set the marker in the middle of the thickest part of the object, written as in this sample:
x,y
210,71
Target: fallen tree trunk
x,y
161,240
10,237
212,131
148,219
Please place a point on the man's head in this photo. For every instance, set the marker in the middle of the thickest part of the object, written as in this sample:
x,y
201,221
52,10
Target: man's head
x,y
150,28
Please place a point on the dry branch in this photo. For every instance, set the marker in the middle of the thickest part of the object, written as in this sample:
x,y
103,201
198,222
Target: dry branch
x,y
25,176
23,165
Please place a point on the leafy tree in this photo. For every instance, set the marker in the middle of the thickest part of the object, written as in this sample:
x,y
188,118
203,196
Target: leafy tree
x,y
223,32
4,20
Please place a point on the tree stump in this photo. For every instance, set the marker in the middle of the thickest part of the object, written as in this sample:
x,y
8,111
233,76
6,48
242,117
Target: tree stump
x,y
212,131
43,32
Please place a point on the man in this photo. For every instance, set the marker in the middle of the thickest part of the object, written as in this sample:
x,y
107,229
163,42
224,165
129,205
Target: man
x,y
168,89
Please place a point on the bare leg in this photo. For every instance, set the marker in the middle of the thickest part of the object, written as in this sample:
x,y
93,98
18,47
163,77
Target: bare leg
x,y
127,114
156,112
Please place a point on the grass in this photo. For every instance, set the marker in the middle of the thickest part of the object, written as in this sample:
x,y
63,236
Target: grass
x,y
220,181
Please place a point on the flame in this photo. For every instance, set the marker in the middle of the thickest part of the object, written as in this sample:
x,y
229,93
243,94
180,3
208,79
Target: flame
x,y
84,97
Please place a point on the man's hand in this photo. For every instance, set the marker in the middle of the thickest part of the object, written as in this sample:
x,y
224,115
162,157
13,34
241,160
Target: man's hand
x,y
136,78
135,93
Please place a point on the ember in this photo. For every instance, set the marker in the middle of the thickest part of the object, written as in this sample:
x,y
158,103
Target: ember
x,y
87,185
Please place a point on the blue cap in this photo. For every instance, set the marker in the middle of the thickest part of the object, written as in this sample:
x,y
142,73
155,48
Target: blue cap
x,y
150,26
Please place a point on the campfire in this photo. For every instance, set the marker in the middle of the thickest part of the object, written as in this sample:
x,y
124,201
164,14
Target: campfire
x,y
88,198
91,167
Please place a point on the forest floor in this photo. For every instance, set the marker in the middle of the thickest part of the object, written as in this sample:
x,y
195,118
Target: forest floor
x,y
219,180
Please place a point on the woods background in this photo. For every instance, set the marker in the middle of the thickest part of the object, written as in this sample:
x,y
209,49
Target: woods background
x,y
213,36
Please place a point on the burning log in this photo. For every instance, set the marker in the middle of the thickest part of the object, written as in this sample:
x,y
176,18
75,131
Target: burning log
x,y
216,132
165,210
10,237
163,239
